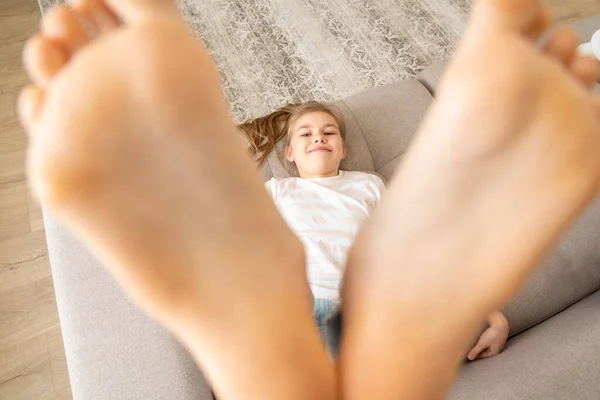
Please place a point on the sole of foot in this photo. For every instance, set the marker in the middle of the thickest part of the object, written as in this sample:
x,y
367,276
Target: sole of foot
x,y
506,159
132,148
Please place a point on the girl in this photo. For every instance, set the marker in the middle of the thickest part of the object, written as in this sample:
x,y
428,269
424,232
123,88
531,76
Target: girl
x,y
325,206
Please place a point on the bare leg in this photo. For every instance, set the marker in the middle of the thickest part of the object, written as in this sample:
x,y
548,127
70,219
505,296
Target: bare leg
x,y
133,149
506,159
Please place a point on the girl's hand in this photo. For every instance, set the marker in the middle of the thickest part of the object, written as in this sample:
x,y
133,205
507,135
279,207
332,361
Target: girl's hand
x,y
492,340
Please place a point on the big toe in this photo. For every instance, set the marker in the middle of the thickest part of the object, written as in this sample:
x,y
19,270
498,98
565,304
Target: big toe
x,y
136,10
527,17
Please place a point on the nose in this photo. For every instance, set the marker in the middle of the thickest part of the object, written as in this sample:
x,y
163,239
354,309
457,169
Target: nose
x,y
320,138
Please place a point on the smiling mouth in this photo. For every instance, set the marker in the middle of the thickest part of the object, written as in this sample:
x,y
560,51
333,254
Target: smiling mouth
x,y
314,151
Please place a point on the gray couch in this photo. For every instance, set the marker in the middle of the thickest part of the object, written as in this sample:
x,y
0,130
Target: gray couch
x,y
115,352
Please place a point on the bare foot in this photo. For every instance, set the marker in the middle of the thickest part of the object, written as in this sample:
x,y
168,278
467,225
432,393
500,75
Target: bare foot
x,y
133,149
506,159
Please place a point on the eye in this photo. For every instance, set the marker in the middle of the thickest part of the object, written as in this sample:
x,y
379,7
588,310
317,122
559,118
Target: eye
x,y
331,133
305,134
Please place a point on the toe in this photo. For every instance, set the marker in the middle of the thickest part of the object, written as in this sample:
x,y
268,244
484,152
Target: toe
x,y
43,57
585,68
522,16
562,45
29,104
136,10
62,24
541,23
97,14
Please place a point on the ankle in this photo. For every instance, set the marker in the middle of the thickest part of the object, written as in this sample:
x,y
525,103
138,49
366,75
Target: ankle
x,y
249,359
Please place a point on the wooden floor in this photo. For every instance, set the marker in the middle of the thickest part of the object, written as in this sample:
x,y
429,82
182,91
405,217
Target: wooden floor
x,y
32,360
32,357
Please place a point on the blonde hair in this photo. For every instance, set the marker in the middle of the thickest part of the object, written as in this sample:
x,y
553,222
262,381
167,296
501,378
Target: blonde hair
x,y
264,133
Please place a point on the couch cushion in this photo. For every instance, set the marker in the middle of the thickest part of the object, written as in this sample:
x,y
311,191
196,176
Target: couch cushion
x,y
569,273
556,360
114,351
388,117
380,123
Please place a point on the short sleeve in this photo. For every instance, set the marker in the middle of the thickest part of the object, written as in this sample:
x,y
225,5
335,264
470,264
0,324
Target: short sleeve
x,y
271,186
377,189
381,190
381,185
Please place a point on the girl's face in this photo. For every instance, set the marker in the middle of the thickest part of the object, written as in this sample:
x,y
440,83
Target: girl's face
x,y
316,145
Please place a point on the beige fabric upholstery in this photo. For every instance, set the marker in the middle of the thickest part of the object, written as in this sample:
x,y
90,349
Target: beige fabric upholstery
x,y
114,351
570,273
558,359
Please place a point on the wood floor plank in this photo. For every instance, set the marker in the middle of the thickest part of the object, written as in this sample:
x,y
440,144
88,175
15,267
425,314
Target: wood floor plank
x,y
13,80
8,98
23,248
25,370
14,210
12,166
12,138
27,303
19,19
27,311
23,273
13,142
36,217
567,11
56,352
64,394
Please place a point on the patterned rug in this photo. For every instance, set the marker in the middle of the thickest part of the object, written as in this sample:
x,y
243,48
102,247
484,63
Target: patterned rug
x,y
274,52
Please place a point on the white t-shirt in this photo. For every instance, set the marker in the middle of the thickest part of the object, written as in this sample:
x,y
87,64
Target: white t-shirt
x,y
326,213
